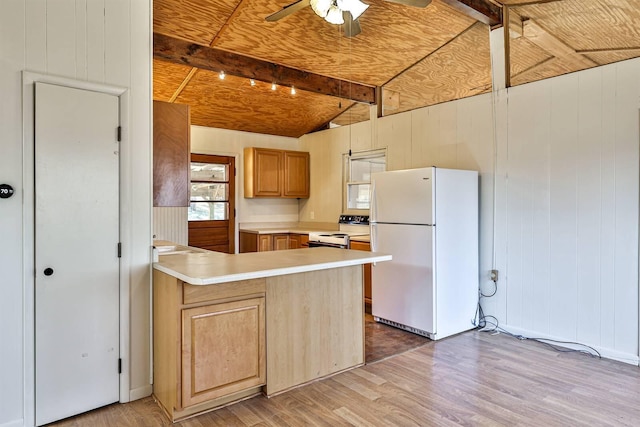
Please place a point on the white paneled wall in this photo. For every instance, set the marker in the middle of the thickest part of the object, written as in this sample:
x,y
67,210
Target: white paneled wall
x,y
571,208
559,170
171,224
455,135
105,41
232,143
326,150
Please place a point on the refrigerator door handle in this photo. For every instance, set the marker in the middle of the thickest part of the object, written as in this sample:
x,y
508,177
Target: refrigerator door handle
x,y
372,198
373,232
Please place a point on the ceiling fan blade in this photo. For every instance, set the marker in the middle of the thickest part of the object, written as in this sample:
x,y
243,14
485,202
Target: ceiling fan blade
x,y
288,10
416,3
351,26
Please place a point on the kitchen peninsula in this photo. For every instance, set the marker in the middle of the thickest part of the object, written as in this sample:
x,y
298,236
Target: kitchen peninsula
x,y
227,327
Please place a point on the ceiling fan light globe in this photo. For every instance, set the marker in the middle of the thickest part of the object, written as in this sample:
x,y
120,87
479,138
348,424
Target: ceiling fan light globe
x,y
355,7
321,7
334,16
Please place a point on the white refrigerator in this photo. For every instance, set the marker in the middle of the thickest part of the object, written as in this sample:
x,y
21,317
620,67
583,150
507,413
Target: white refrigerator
x,y
427,219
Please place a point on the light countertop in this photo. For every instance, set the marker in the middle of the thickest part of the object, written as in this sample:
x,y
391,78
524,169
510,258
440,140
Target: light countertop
x,y
207,268
364,238
297,230
280,230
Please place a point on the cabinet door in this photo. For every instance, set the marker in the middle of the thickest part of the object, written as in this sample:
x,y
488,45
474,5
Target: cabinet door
x,y
296,174
223,349
248,242
265,242
171,147
364,246
280,242
294,241
263,172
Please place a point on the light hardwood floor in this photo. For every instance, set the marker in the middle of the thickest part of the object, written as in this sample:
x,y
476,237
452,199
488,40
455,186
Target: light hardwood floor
x,y
474,379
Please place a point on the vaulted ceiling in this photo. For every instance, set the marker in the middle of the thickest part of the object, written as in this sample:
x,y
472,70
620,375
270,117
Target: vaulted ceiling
x,y
405,57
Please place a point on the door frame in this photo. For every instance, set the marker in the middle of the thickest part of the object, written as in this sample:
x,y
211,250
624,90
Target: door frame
x,y
28,228
231,232
239,171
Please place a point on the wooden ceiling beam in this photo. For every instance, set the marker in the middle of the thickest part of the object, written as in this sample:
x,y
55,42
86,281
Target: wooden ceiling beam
x,y
554,46
178,51
225,26
609,50
481,10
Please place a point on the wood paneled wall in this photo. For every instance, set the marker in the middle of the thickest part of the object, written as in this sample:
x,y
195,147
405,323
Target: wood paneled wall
x,y
559,158
94,40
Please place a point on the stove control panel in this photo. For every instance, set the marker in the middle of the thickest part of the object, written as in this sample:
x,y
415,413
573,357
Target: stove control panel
x,y
354,219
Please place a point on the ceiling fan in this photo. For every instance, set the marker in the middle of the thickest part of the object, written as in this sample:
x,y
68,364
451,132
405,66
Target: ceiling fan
x,y
338,12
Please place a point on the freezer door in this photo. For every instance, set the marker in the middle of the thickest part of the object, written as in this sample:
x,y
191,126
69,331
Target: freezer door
x,y
402,197
403,288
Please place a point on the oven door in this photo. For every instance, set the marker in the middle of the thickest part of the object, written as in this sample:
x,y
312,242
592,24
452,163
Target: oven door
x,y
316,244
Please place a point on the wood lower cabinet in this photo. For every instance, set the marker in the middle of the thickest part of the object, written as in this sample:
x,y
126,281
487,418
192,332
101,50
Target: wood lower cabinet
x,y
222,349
217,344
265,242
209,343
280,242
364,246
294,241
253,242
297,241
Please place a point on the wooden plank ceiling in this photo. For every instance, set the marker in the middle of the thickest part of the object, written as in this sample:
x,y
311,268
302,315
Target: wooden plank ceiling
x,y
395,40
404,58
550,38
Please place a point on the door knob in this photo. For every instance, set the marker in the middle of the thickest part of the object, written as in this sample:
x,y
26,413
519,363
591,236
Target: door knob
x,y
48,271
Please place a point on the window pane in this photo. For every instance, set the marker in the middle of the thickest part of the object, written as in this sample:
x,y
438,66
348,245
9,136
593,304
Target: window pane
x,y
203,192
358,196
361,169
209,172
206,211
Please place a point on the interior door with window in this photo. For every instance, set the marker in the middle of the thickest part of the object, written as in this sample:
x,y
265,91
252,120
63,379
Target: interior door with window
x,y
212,207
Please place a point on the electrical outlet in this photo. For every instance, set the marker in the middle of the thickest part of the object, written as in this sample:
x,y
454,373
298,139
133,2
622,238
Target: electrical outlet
x,y
312,215
493,274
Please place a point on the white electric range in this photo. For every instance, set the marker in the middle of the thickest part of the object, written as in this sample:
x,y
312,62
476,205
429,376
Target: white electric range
x,y
350,226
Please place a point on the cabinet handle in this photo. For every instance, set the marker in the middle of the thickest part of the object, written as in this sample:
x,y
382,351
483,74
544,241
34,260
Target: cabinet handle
x,y
48,271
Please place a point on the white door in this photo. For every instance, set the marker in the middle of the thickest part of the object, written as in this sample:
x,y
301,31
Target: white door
x,y
402,290
76,251
402,196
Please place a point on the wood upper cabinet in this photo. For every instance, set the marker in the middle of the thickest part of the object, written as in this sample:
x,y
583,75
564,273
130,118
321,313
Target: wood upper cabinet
x,y
171,147
275,173
223,349
262,172
296,174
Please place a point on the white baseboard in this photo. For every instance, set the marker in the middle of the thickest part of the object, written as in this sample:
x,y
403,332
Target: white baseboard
x,y
139,393
14,423
607,353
